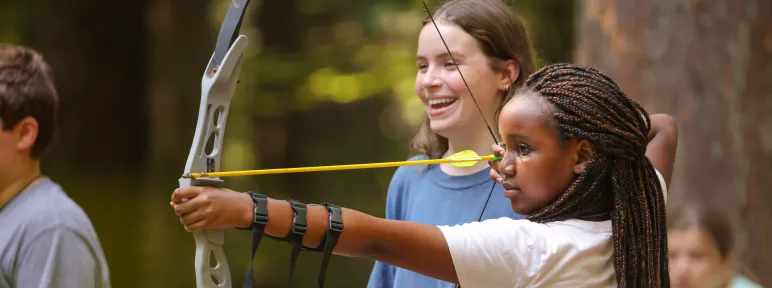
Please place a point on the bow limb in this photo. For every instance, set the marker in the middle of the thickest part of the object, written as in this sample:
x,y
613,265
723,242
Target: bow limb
x,y
217,87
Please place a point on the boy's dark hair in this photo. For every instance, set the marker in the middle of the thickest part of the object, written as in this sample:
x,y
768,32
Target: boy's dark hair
x,y
619,179
27,90
502,36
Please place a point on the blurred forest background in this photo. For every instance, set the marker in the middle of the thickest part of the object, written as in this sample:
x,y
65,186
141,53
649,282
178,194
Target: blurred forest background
x,y
331,82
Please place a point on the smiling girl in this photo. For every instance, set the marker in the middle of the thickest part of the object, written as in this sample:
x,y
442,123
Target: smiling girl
x,y
490,48
575,163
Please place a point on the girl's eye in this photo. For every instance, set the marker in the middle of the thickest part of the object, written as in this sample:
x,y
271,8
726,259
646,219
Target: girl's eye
x,y
421,66
523,149
450,64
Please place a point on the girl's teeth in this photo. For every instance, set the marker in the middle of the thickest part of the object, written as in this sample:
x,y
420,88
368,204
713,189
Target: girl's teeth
x,y
439,101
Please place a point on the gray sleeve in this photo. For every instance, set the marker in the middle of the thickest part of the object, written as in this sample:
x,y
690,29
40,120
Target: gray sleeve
x,y
57,257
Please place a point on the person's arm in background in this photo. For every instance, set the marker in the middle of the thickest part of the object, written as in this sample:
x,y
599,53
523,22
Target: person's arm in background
x,y
663,142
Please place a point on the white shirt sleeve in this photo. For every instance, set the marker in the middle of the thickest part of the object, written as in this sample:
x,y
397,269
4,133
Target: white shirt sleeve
x,y
494,253
663,184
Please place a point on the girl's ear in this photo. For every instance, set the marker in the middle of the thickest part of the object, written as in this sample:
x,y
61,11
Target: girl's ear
x,y
583,153
510,70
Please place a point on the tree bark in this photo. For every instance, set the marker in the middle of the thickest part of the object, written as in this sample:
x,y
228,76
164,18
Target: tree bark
x,y
709,65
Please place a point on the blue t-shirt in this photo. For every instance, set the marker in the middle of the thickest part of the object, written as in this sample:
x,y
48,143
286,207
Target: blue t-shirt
x,y
431,196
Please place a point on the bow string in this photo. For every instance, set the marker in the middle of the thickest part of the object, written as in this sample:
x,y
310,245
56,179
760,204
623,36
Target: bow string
x,y
493,135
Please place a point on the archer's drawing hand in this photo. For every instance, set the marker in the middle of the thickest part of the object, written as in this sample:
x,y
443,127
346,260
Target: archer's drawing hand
x,y
203,208
497,150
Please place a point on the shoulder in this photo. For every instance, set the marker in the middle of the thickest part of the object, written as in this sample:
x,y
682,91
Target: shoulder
x,y
530,252
501,236
45,207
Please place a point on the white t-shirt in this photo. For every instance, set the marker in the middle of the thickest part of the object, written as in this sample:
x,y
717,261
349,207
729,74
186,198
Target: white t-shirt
x,y
519,253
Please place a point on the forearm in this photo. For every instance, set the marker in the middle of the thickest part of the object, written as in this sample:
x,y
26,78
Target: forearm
x,y
413,246
351,243
663,143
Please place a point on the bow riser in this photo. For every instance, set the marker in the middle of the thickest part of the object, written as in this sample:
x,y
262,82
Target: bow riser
x,y
217,87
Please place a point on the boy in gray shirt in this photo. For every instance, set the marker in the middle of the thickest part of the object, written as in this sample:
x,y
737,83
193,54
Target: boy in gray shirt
x,y
46,240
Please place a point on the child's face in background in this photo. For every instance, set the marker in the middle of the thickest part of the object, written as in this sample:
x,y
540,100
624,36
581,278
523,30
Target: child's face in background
x,y
695,261
451,110
540,168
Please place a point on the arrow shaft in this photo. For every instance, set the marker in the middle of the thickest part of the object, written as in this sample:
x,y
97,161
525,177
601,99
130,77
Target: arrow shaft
x,y
338,167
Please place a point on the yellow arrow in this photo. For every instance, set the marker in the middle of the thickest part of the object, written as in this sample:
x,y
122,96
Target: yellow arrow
x,y
464,158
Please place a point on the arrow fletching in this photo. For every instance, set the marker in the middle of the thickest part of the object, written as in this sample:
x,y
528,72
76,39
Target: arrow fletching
x,y
466,158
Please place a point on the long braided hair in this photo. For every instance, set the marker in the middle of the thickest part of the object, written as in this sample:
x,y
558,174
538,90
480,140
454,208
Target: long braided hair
x,y
619,179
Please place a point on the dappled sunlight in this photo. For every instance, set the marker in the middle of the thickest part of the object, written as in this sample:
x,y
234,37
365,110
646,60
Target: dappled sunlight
x,y
411,107
327,84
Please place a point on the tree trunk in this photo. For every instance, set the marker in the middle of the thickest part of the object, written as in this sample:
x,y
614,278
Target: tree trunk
x,y
709,65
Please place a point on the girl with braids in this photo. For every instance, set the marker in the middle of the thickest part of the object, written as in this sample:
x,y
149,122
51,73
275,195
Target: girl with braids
x,y
579,162
491,48
602,135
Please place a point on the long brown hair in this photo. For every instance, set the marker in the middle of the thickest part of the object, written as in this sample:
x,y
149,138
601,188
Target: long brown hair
x,y
501,35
